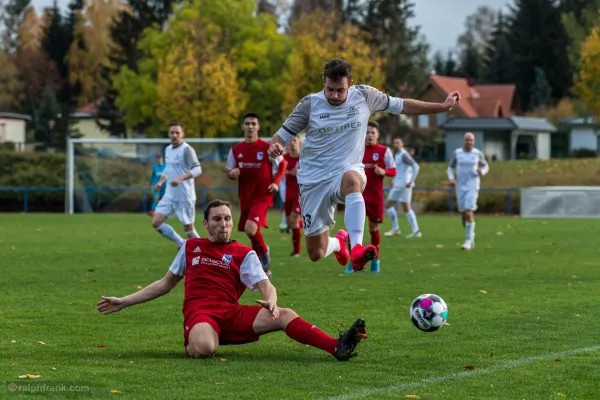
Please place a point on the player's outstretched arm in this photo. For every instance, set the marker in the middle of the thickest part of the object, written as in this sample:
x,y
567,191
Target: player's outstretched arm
x,y
156,289
417,107
269,294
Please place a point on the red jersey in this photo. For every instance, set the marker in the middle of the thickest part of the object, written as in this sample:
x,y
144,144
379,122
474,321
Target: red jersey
x,y
216,273
291,181
381,156
256,172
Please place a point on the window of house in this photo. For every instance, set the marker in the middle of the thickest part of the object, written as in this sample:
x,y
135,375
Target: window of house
x,y
423,121
440,118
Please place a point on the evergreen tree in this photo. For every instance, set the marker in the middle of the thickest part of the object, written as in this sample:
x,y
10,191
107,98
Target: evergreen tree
x,y
11,17
451,66
471,64
438,63
46,118
56,43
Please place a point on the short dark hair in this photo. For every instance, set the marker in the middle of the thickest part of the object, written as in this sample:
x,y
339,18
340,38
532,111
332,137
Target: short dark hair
x,y
373,124
213,204
398,137
250,115
172,124
337,69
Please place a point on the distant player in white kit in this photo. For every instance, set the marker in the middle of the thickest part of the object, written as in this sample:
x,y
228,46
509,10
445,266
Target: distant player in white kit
x,y
180,196
331,169
407,170
470,166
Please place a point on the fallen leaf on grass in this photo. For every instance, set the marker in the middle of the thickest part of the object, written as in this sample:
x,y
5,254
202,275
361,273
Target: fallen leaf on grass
x,y
418,254
559,394
469,367
435,265
219,383
29,376
40,342
362,290
491,354
439,246
114,391
13,248
101,346
137,287
21,325
557,360
482,292
130,362
413,373
411,396
341,325
518,313
13,341
38,230
13,364
53,369
223,359
499,233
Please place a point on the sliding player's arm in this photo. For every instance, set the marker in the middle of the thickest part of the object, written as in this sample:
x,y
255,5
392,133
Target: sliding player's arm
x,y
293,125
156,289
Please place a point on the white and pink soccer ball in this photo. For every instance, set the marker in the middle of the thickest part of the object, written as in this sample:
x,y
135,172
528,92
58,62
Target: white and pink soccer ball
x,y
428,312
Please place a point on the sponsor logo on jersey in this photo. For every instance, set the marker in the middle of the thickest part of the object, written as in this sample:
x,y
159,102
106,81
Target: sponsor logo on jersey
x,y
240,155
352,126
259,155
354,110
197,250
375,156
196,260
324,116
227,258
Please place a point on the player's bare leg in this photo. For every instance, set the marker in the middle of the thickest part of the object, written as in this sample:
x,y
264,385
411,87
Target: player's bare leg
x,y
321,246
390,207
306,333
190,231
293,222
469,218
203,341
158,223
412,220
155,200
354,219
253,232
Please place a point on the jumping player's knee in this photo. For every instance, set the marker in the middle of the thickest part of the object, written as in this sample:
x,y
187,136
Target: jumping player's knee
x,y
352,182
201,349
315,254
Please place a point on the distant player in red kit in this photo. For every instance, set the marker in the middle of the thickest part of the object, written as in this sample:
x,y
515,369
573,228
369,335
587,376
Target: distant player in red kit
x,y
292,201
379,162
217,271
259,177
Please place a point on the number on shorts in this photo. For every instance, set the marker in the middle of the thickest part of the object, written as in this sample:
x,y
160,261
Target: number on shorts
x,y
306,220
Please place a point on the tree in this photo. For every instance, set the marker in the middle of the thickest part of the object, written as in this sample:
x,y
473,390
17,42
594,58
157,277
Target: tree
x,y
587,85
471,63
46,117
300,7
317,39
30,31
14,12
537,38
498,64
451,67
478,29
541,92
438,63
10,87
578,18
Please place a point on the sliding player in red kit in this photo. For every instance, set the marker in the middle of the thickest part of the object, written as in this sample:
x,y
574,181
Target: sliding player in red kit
x,y
379,162
217,271
259,177
292,201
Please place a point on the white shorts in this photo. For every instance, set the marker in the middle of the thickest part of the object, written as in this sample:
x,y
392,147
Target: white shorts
x,y
467,199
319,202
400,194
185,210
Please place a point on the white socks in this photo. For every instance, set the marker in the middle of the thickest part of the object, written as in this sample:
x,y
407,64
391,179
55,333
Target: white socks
x,y
167,231
470,230
192,234
393,214
332,246
412,220
354,218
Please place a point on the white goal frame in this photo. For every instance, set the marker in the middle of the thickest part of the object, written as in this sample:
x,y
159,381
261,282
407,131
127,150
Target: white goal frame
x,y
71,142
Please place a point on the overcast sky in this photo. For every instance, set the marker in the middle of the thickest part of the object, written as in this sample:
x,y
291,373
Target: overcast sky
x,y
441,21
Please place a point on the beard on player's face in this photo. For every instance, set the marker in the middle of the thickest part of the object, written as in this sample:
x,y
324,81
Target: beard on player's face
x,y
219,227
336,92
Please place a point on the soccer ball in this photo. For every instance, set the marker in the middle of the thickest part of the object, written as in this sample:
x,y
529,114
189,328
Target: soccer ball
x,y
428,312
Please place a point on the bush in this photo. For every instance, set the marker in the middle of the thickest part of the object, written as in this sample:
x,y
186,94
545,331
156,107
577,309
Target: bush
x,y
584,153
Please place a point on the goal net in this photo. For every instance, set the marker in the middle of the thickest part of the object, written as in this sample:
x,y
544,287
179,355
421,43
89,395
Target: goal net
x,y
113,175
561,202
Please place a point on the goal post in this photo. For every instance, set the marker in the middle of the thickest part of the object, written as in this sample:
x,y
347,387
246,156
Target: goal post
x,y
560,202
113,174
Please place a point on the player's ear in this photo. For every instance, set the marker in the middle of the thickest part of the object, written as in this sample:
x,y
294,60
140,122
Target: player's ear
x,y
350,82
205,224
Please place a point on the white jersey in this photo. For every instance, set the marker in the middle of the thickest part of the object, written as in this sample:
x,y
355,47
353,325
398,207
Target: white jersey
x,y
334,135
466,164
407,168
180,160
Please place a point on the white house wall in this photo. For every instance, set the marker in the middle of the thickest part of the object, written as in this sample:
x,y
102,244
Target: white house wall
x,y
583,137
543,146
13,130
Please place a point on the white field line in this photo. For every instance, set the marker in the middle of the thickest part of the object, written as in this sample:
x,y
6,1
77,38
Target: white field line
x,y
463,375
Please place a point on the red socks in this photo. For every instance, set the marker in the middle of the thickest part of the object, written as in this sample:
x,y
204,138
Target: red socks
x,y
258,243
376,239
296,240
305,333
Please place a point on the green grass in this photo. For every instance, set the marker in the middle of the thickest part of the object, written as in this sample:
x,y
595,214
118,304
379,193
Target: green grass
x,y
539,277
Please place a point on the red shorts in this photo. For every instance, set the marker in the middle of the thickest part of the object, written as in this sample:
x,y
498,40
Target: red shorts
x,y
233,323
292,205
257,213
374,210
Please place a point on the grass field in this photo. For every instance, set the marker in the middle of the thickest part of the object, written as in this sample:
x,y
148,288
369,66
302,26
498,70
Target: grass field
x,y
523,315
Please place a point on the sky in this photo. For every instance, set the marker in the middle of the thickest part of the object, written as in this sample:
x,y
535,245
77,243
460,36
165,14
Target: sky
x,y
441,21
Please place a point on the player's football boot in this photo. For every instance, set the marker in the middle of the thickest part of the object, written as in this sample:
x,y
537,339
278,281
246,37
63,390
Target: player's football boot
x,y
361,254
348,340
414,235
349,269
151,213
342,256
294,254
268,272
375,265
468,245
265,259
392,233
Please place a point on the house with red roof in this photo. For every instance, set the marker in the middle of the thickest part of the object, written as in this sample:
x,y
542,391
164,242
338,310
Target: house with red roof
x,y
492,113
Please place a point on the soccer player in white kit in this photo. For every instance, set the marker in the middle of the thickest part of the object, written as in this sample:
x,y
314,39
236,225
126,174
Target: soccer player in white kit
x,y
331,169
180,196
407,170
470,166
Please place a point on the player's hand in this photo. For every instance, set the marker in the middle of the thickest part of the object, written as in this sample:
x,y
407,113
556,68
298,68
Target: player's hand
x,y
275,150
272,307
479,172
409,185
452,182
452,99
379,171
177,181
157,187
110,305
234,173
273,187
